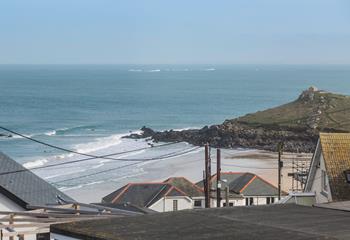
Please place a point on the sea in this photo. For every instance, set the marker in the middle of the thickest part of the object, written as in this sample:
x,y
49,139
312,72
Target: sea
x,y
89,108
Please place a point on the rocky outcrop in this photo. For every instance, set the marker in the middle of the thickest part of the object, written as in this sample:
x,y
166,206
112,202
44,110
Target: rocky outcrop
x,y
296,124
237,135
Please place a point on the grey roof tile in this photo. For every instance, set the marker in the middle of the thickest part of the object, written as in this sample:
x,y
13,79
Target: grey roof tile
x,y
24,187
141,194
186,186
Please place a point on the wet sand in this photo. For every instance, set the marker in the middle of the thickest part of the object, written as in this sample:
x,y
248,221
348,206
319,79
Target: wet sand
x,y
191,166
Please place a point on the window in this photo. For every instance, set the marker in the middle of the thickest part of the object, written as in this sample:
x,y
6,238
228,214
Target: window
x,y
197,203
230,204
270,200
175,205
324,181
249,201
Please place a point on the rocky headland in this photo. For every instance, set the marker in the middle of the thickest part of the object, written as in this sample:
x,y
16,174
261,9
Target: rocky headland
x,y
296,124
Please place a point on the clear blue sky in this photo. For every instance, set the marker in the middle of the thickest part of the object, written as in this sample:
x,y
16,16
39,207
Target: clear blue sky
x,y
175,31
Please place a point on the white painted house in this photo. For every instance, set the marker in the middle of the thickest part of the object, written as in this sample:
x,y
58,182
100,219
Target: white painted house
x,y
329,173
160,197
245,189
192,190
175,193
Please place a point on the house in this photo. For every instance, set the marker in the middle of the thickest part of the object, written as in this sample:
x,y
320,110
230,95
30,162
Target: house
x,y
29,205
270,222
20,188
175,193
192,190
329,173
160,197
245,189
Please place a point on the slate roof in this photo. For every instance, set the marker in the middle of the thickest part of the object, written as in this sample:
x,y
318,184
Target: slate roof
x,y
336,154
126,206
142,194
244,183
186,186
24,187
270,222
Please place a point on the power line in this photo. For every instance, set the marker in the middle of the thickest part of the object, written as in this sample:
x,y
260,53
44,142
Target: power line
x,y
92,158
240,166
76,152
87,159
124,166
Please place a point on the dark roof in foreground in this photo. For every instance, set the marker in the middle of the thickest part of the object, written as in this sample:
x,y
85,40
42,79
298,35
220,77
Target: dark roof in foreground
x,y
270,222
24,187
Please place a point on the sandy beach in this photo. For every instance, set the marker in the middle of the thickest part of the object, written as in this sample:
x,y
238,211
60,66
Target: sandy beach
x,y
191,166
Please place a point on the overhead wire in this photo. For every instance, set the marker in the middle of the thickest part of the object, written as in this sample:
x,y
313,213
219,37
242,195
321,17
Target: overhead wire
x,y
128,165
76,152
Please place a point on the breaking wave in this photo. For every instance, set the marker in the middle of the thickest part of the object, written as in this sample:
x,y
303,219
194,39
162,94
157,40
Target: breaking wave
x,y
36,163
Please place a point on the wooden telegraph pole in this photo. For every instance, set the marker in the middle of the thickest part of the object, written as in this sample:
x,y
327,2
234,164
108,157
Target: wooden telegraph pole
x,y
207,176
218,177
280,166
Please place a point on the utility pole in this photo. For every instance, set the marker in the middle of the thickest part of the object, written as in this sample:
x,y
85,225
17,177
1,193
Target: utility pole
x,y
207,176
218,177
227,191
280,166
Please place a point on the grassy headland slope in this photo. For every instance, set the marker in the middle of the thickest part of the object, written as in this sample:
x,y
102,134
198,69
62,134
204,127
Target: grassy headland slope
x,y
313,109
296,124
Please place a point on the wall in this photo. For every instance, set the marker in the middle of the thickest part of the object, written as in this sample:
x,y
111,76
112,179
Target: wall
x,y
316,187
257,200
166,204
202,199
7,204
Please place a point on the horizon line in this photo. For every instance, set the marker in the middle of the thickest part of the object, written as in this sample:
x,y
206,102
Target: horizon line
x,y
218,64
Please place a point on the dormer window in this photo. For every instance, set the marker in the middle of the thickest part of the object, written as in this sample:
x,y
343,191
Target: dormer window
x,y
347,175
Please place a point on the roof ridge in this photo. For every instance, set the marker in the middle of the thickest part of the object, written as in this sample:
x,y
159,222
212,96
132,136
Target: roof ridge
x,y
126,187
248,183
186,179
156,195
144,183
267,182
232,172
177,189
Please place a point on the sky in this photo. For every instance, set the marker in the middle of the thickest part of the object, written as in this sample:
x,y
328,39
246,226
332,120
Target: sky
x,y
174,32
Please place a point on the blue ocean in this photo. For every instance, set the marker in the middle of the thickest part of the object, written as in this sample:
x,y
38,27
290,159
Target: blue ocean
x,y
88,108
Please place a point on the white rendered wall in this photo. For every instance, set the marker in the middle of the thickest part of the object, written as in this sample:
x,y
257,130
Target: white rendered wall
x,y
202,199
166,204
7,204
257,200
317,184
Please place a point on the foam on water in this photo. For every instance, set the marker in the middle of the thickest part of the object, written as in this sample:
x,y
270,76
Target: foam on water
x,y
36,163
